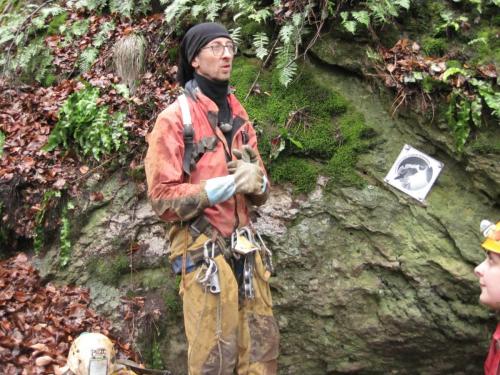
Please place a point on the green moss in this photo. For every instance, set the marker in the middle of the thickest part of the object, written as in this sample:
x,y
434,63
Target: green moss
x,y
312,120
341,165
486,143
153,278
109,270
173,303
301,173
434,46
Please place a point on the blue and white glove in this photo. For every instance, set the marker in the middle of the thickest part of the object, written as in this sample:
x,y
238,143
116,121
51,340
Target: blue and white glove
x,y
220,189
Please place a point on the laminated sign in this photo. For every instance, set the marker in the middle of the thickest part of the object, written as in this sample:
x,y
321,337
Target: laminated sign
x,y
414,173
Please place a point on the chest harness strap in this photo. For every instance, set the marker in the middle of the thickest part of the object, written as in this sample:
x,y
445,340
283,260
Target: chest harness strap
x,y
192,151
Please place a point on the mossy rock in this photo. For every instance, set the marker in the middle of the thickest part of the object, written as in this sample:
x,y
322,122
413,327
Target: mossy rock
x,y
302,173
109,270
337,52
306,122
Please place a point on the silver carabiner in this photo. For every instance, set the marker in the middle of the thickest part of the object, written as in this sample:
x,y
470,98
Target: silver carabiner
x,y
206,255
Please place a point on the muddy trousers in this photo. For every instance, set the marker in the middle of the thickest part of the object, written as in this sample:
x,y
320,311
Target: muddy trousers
x,y
224,337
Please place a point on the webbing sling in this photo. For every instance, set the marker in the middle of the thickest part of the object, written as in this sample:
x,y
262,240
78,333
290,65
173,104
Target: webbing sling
x,y
188,134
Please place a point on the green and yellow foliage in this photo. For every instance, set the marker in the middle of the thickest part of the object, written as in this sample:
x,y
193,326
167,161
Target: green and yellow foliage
x,y
87,126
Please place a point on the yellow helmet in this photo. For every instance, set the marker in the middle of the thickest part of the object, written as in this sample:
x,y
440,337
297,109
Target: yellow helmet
x,y
91,353
492,234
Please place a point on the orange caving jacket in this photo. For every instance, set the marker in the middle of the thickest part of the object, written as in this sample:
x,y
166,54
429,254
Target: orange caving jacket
x,y
176,196
492,363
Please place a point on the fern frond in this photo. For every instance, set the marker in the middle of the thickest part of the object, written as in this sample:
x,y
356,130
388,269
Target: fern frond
x,y
8,30
261,15
285,62
87,59
362,17
122,7
235,34
91,5
26,55
260,42
42,66
390,8
212,10
349,25
79,28
37,23
196,10
176,10
51,11
286,33
403,3
142,7
103,34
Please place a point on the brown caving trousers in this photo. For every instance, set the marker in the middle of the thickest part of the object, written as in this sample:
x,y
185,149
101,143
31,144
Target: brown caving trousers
x,y
224,337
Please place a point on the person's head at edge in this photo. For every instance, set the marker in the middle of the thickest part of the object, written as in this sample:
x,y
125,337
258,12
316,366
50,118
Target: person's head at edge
x,y
208,50
488,272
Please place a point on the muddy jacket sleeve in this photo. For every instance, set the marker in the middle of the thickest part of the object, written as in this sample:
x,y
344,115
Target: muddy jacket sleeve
x,y
172,198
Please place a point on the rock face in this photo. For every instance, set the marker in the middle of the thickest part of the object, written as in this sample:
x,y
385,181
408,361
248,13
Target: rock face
x,y
369,281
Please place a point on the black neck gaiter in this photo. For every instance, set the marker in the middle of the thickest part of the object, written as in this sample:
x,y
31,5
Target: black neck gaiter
x,y
217,92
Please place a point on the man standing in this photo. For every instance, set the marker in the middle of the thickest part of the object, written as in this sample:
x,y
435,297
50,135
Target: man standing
x,y
203,171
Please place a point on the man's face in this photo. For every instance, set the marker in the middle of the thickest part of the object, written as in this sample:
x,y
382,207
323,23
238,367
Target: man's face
x,y
213,65
488,273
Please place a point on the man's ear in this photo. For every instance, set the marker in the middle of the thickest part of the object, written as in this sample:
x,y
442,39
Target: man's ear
x,y
195,63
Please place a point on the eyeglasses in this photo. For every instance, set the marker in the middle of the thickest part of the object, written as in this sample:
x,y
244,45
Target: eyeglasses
x,y
218,49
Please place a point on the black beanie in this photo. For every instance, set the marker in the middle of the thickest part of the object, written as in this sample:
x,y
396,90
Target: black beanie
x,y
197,37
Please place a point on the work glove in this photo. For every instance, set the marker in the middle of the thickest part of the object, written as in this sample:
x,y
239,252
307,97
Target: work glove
x,y
246,154
220,189
248,176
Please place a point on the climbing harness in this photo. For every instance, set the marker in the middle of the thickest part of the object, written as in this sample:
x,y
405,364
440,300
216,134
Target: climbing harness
x,y
192,151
